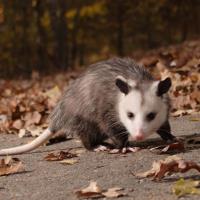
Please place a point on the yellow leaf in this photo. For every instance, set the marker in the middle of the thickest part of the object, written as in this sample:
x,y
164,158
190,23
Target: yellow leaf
x,y
68,161
183,187
195,119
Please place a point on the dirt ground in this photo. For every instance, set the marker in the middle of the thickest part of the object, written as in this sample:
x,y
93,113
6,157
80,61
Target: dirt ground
x,y
45,180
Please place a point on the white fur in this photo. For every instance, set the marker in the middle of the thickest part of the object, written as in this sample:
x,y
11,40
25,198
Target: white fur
x,y
132,102
28,147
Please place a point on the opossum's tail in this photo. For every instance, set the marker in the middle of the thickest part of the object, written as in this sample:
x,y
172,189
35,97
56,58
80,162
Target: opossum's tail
x,y
28,147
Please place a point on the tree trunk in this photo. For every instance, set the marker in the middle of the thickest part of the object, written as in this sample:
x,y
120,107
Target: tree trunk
x,y
59,28
120,28
74,37
41,40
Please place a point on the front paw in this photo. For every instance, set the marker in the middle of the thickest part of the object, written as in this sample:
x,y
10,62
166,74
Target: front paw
x,y
125,150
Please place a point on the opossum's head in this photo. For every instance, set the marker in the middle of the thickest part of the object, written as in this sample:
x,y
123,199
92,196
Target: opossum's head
x,y
142,107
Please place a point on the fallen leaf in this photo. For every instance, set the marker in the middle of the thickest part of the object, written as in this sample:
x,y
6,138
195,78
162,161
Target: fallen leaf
x,y
114,192
10,165
170,148
34,131
59,156
195,119
68,161
172,164
183,187
17,124
53,93
92,191
179,113
32,118
22,133
177,146
3,118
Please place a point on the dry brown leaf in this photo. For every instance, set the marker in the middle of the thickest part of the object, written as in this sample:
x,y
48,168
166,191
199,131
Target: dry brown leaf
x,y
179,113
10,166
94,191
17,124
59,156
36,117
177,146
22,133
172,164
114,192
195,119
34,131
173,147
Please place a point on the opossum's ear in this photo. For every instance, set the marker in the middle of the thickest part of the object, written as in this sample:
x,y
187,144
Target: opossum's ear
x,y
122,84
163,86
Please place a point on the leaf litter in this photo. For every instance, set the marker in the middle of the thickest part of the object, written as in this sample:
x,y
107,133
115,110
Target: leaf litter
x,y
62,155
170,165
10,165
95,191
175,147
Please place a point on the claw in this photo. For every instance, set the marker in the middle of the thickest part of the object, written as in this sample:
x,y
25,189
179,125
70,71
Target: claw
x,y
130,149
115,151
125,150
101,148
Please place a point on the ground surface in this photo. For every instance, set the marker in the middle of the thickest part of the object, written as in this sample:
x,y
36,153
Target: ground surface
x,y
51,180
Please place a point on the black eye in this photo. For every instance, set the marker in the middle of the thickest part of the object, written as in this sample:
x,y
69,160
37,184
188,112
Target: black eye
x,y
130,115
151,116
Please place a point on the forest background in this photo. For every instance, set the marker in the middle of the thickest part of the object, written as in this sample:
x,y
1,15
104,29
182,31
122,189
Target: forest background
x,y
56,35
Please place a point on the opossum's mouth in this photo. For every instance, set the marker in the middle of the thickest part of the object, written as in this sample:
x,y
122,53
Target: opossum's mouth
x,y
138,137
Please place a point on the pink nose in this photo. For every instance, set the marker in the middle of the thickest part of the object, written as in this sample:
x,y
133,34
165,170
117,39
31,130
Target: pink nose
x,y
139,137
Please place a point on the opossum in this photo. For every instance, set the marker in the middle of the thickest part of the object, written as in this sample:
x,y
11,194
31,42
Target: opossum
x,y
115,99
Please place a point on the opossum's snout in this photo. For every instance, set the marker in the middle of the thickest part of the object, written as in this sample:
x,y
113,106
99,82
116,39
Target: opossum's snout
x,y
138,136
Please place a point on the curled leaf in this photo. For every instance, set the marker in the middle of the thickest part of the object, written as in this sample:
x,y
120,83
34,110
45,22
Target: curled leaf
x,y
170,148
114,192
59,156
92,191
172,164
10,165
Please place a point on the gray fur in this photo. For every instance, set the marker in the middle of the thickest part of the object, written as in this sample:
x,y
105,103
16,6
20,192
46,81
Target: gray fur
x,y
88,106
